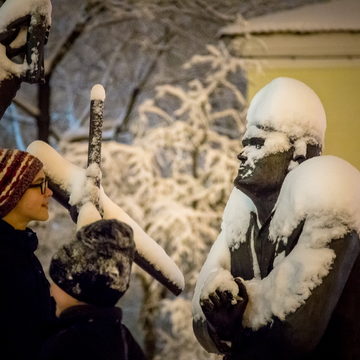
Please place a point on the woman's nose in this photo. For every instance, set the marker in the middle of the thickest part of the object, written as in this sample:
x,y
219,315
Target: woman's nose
x,y
49,192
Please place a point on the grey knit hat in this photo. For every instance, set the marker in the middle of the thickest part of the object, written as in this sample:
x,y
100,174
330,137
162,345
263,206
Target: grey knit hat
x,y
17,171
95,267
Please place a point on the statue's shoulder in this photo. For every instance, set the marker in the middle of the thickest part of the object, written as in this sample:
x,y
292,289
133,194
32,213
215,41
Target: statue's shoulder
x,y
324,190
237,218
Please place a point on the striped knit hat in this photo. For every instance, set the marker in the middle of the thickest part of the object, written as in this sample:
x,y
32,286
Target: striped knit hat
x,y
17,171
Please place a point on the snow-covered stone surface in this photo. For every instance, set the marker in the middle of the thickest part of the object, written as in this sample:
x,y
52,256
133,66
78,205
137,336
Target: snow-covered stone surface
x,y
216,270
221,280
278,115
218,260
87,215
72,179
8,67
325,188
12,10
325,193
236,217
280,105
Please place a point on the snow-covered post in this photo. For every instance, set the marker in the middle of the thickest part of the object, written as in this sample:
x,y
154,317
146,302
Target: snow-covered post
x,y
89,209
96,120
97,98
93,175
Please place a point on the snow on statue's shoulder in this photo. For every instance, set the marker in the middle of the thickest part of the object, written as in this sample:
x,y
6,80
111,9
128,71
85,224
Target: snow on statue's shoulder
x,y
325,189
324,192
236,218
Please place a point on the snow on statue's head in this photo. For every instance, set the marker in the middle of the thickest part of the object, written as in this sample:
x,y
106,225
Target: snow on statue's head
x,y
289,106
285,126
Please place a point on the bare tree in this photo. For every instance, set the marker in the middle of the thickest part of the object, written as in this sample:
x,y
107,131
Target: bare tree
x,y
128,46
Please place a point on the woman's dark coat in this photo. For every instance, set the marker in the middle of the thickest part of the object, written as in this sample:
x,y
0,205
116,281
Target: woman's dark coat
x,y
26,308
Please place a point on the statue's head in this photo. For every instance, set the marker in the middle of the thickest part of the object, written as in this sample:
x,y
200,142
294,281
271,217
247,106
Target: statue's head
x,y
286,125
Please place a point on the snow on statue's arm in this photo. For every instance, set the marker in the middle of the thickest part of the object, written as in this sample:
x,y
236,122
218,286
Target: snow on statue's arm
x,y
292,305
215,274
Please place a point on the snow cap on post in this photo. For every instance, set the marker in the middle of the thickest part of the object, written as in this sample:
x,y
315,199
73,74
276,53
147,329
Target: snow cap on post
x,y
289,106
97,92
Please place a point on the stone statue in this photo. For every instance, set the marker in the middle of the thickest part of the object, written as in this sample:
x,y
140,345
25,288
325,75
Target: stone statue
x,y
282,281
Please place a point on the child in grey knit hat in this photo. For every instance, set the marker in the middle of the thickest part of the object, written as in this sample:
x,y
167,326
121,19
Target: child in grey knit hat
x,y
90,275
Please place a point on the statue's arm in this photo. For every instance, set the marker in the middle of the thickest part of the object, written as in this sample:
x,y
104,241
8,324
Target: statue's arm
x,y
301,330
305,327
220,296
217,261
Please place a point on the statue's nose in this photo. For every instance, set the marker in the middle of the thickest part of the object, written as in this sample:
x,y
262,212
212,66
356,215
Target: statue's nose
x,y
242,157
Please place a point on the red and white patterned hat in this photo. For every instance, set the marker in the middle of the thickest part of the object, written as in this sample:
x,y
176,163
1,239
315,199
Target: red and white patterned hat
x,y
17,171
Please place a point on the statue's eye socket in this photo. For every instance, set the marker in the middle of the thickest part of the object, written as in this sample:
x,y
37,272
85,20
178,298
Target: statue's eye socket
x,y
256,142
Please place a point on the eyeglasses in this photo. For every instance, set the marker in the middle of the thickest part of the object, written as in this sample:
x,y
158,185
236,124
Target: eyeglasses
x,y
43,185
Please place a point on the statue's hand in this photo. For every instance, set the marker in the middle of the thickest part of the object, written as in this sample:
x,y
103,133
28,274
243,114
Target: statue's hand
x,y
224,310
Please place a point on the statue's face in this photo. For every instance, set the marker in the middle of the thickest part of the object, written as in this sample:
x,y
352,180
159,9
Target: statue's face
x,y
267,156
260,171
